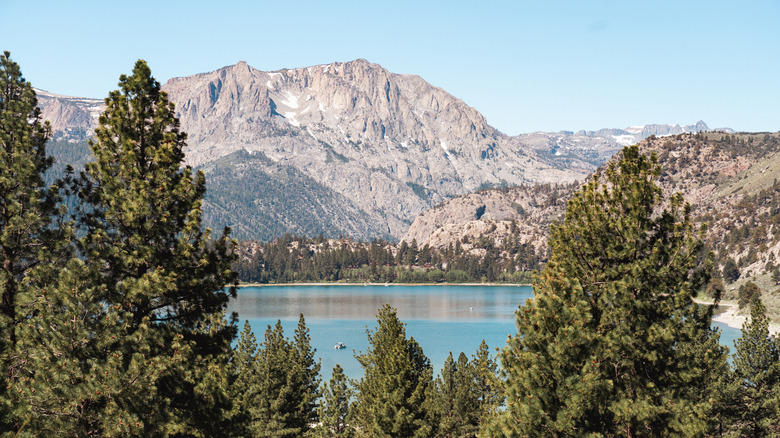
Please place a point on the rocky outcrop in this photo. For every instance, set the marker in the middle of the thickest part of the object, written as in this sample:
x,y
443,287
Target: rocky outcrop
x,y
495,213
730,182
68,114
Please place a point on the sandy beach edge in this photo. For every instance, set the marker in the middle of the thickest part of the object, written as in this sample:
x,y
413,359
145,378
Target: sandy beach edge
x,y
728,313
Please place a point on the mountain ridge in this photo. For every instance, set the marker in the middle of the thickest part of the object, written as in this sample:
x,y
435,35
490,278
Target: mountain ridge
x,y
391,144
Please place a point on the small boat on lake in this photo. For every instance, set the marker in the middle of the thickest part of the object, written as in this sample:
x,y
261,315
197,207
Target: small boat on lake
x,y
340,346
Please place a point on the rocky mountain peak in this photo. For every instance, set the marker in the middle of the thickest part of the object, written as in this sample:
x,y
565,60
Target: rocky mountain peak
x,y
391,144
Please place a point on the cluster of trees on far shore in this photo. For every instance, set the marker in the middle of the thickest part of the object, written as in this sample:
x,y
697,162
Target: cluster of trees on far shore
x,y
113,311
291,259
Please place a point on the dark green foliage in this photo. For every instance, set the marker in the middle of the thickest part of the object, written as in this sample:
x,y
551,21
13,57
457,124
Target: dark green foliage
x,y
755,392
152,284
468,393
244,388
298,259
747,292
34,242
612,343
27,205
487,383
776,275
715,289
394,397
284,384
730,270
335,405
261,199
457,398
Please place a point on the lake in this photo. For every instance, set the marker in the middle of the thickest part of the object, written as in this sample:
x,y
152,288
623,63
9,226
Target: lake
x,y
442,318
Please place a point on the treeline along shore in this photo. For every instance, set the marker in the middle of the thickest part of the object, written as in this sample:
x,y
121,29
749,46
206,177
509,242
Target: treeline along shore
x,y
291,259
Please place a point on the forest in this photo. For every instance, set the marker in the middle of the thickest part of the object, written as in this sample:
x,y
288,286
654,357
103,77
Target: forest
x,y
113,320
292,259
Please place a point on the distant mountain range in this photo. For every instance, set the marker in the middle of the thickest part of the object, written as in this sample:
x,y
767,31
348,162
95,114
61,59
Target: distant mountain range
x,y
346,148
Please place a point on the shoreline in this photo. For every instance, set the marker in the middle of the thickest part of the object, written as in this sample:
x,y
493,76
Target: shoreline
x,y
240,285
728,313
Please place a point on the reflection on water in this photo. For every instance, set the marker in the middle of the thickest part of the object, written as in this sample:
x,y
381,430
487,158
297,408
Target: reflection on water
x,y
440,318
435,303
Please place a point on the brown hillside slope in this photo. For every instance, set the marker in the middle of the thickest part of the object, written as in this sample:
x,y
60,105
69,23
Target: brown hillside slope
x,y
730,180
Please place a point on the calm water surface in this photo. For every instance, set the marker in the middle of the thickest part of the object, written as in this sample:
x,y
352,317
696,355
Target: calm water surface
x,y
440,318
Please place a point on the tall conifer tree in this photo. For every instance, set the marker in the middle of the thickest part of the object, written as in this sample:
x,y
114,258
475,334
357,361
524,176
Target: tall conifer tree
x,y
394,397
457,398
335,405
157,268
287,382
756,390
611,343
33,240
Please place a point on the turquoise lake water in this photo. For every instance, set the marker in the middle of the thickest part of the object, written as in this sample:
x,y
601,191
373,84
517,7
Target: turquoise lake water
x,y
441,318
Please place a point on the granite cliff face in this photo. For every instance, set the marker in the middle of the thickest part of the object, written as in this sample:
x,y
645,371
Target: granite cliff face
x,y
391,145
74,117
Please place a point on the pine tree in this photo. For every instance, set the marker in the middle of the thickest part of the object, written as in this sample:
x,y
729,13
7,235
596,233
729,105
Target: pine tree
x,y
746,293
335,405
305,377
272,408
488,385
288,385
144,245
244,387
32,234
756,412
457,398
394,397
75,381
611,343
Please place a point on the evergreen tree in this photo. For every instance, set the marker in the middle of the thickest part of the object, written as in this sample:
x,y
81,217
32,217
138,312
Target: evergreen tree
x,y
305,377
334,409
244,386
756,412
394,396
488,385
32,236
272,408
163,274
747,292
74,381
288,385
457,398
611,343
730,270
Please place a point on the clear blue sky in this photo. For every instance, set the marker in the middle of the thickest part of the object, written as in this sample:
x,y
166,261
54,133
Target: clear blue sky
x,y
526,65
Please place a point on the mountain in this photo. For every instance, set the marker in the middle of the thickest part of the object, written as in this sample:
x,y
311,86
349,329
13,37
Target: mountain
x,y
393,145
384,146
732,182
73,117
260,199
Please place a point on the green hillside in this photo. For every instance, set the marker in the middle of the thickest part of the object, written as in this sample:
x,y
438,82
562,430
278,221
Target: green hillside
x,y
261,200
